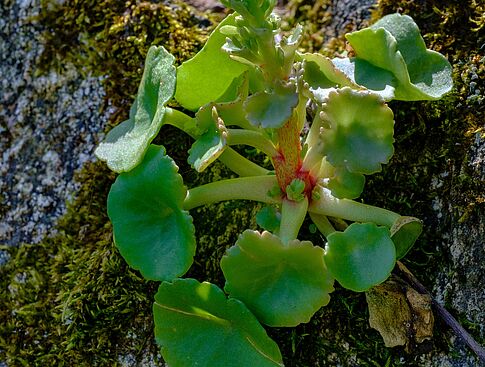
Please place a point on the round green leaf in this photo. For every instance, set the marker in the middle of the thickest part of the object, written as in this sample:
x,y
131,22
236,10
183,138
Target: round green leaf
x,y
126,144
282,285
404,232
271,109
360,257
151,231
196,325
209,74
345,184
359,131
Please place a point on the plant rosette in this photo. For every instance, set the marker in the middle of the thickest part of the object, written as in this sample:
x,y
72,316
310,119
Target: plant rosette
x,y
251,86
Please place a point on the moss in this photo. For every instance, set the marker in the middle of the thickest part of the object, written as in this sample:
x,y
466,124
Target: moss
x,y
111,38
71,300
314,16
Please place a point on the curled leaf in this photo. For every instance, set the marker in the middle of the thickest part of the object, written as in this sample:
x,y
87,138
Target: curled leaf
x,y
211,144
196,325
126,144
404,232
209,74
392,54
320,72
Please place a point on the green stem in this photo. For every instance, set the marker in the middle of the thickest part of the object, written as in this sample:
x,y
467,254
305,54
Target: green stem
x,y
292,216
313,136
312,160
180,120
301,111
251,138
241,165
244,188
350,210
326,169
322,223
233,160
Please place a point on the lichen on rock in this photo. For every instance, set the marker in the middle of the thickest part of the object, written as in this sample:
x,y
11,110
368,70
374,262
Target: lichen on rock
x,y
48,127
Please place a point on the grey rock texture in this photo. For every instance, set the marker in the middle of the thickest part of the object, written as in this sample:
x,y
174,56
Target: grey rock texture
x,y
48,128
461,283
348,15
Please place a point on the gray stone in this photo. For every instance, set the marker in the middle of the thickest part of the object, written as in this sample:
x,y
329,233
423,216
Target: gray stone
x,y
49,125
347,16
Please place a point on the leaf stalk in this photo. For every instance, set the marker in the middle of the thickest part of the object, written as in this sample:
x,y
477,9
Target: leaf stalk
x,y
292,216
254,188
251,138
347,209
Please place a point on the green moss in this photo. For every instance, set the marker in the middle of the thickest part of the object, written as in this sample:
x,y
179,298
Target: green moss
x,y
314,16
111,38
72,300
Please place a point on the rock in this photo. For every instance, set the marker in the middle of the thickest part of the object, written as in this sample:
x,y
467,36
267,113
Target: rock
x,y
49,125
348,16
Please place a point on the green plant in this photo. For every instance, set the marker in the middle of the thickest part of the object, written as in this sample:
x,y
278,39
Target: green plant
x,y
250,85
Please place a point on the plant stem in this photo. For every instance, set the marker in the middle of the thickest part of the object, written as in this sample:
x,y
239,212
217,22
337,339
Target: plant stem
x,y
292,216
328,205
288,162
443,313
241,165
313,159
232,159
251,138
180,120
313,136
322,223
244,188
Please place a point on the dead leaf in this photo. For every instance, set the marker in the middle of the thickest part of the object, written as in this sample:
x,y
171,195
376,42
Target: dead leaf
x,y
400,314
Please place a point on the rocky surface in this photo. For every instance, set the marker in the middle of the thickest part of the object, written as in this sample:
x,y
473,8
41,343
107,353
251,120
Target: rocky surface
x,y
461,283
347,16
48,127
